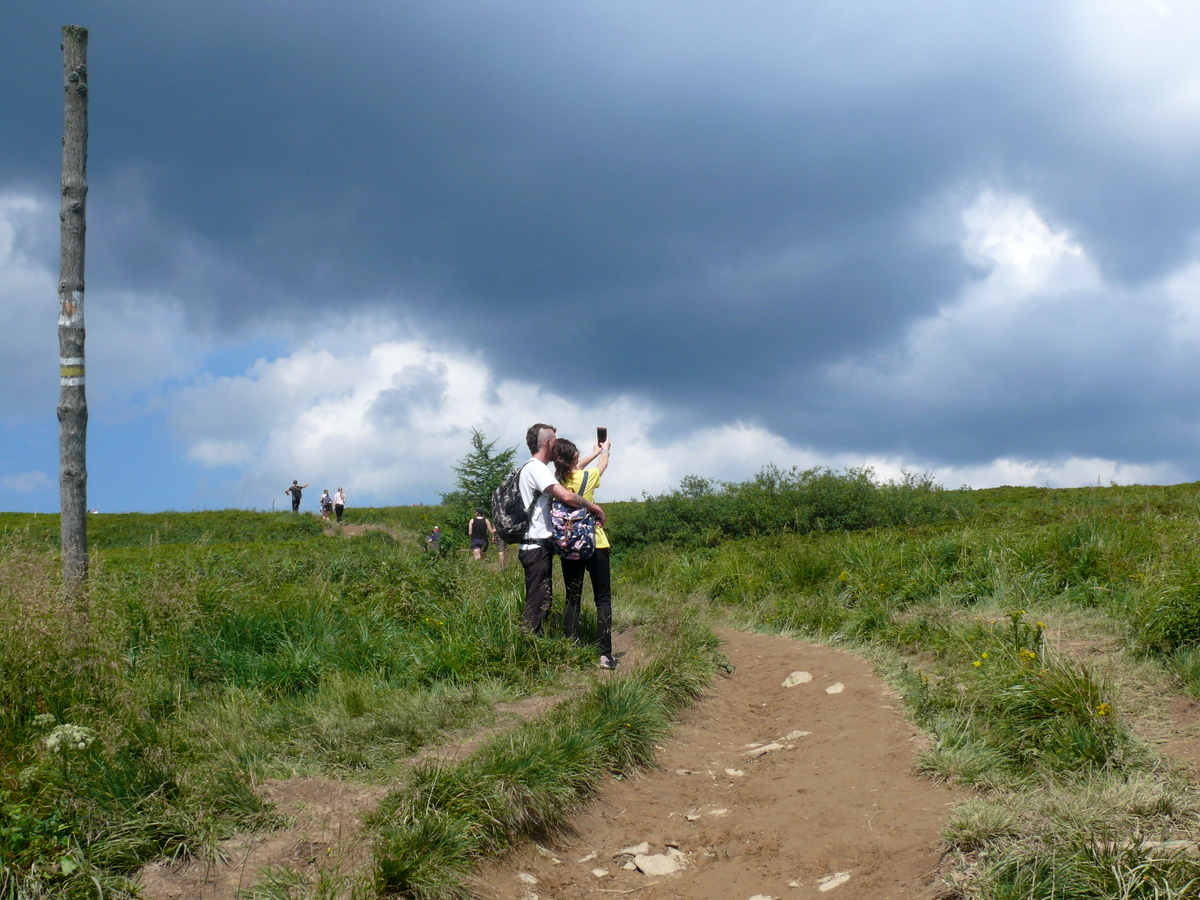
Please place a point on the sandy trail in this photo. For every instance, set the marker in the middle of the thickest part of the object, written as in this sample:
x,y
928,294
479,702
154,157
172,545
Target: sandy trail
x,y
841,803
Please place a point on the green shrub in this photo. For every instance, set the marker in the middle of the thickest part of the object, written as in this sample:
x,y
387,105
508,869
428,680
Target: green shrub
x,y
702,512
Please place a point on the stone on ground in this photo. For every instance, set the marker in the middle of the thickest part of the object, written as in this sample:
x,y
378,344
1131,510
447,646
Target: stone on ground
x,y
796,678
829,882
658,863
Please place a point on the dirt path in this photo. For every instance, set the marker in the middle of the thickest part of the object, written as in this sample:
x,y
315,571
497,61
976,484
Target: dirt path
x,y
835,796
842,800
354,530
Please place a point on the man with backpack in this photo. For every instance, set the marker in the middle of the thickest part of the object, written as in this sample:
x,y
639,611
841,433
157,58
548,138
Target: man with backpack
x,y
538,485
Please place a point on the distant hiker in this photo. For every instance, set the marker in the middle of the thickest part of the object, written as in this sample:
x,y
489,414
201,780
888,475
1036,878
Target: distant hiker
x,y
435,540
339,504
481,531
326,504
295,491
567,466
538,485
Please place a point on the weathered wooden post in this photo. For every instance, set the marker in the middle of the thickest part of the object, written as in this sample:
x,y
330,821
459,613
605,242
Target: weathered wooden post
x,y
72,402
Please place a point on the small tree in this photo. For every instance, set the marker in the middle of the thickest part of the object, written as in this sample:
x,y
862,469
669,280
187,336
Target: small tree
x,y
478,474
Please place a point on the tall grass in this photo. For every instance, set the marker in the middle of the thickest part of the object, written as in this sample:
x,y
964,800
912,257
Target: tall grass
x,y
1112,837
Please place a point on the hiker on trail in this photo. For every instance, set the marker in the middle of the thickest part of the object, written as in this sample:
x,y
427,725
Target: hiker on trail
x,y
435,540
481,531
295,490
339,504
537,482
326,504
569,469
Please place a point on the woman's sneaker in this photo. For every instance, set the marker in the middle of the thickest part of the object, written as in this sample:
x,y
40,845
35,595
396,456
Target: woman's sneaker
x,y
607,662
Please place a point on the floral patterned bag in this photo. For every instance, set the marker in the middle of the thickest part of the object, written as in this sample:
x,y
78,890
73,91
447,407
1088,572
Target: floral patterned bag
x,y
573,529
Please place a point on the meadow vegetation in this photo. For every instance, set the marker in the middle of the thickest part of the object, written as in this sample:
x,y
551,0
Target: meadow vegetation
x,y
1034,634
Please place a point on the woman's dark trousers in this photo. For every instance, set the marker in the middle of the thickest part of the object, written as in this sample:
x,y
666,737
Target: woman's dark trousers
x,y
596,567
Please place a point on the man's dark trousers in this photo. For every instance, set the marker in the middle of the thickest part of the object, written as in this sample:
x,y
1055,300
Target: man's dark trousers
x,y
538,563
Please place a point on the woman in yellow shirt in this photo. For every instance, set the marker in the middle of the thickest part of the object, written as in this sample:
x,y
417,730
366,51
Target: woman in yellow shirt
x,y
568,468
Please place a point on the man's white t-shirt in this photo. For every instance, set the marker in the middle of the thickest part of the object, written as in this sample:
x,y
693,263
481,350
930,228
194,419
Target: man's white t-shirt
x,y
536,477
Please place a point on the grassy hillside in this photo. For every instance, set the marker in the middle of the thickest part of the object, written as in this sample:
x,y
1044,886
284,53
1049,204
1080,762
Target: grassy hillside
x,y
218,649
1035,635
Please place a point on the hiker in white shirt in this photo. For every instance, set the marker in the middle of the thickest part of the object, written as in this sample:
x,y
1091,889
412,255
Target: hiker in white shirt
x,y
537,481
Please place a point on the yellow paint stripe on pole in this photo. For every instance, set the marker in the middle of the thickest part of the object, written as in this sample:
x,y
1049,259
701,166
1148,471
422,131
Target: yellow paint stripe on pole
x,y
70,371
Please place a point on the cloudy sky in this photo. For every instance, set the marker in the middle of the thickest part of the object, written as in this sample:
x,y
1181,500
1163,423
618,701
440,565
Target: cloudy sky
x,y
326,240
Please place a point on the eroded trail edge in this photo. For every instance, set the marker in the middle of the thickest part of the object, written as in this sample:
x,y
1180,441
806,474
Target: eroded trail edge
x,y
763,791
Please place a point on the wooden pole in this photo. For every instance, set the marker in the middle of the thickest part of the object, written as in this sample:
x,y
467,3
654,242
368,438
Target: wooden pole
x,y
72,403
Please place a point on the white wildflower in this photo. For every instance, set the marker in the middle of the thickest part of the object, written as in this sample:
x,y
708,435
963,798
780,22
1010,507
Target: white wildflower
x,y
69,737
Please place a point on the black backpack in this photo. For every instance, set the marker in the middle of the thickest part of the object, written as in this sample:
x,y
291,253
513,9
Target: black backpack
x,y
509,514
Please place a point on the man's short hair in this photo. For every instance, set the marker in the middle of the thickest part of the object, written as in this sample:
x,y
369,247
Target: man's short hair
x,y
533,435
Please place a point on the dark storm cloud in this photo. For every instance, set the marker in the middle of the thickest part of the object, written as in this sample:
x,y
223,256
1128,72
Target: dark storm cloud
x,y
728,190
